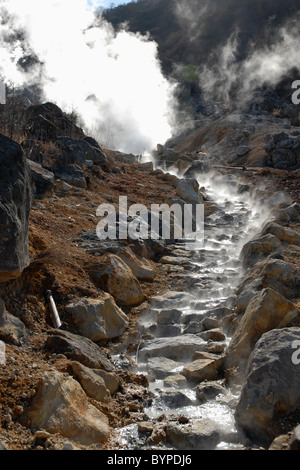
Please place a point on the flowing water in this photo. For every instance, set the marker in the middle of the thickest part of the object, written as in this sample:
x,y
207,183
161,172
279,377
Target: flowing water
x,y
212,274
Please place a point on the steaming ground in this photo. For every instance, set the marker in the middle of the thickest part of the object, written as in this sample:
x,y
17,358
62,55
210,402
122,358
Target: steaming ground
x,y
111,79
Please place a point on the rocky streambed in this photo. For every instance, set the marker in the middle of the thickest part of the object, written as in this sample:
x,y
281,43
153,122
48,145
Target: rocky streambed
x,y
186,333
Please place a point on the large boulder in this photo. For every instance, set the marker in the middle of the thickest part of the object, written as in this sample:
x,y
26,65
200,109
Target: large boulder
x,y
272,387
98,318
285,234
258,249
277,274
15,204
112,275
266,311
61,406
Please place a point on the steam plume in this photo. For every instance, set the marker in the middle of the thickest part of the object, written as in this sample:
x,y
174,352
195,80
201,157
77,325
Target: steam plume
x,y
113,80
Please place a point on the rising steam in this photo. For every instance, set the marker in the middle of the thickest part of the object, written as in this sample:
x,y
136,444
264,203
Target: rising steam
x,y
113,80
264,65
241,45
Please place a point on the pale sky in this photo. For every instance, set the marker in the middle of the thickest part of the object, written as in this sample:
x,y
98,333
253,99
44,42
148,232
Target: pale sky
x,y
107,3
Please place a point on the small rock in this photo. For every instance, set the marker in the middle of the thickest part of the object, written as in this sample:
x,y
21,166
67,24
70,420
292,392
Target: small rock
x,y
145,427
216,334
42,435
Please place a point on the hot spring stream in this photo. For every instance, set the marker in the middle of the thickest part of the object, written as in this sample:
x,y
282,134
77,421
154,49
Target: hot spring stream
x,y
212,275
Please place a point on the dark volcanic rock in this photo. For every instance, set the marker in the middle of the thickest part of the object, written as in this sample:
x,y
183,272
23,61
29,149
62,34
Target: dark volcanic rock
x,y
78,151
43,180
71,174
15,204
284,151
47,122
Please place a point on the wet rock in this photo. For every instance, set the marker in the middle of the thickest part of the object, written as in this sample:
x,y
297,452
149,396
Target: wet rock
x,y
202,434
202,369
16,197
161,367
271,388
209,390
115,277
61,406
177,348
175,381
215,334
92,383
12,330
99,318
167,330
174,398
209,323
171,299
78,348
193,328
168,316
266,311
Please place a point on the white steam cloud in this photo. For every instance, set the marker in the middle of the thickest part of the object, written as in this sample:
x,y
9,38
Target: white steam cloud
x,y
113,80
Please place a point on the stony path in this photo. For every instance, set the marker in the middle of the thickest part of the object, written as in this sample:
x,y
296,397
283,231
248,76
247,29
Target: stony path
x,y
188,333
